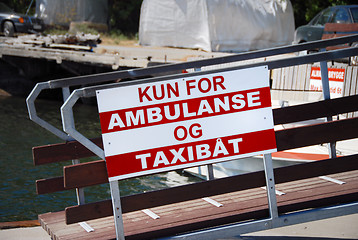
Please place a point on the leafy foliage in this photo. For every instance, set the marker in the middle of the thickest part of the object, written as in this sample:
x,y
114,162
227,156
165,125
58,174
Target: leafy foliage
x,y
305,10
20,6
124,14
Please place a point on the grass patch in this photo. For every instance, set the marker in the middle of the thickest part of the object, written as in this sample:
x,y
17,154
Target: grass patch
x,y
116,37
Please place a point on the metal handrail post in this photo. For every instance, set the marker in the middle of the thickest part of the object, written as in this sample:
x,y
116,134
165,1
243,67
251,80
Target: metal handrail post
x,y
117,209
209,167
79,191
270,186
104,77
326,95
66,108
30,101
69,127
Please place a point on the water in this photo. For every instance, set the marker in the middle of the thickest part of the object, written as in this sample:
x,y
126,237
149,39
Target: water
x,y
18,134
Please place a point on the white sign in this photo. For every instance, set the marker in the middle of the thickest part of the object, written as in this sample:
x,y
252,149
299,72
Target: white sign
x,y
335,77
162,126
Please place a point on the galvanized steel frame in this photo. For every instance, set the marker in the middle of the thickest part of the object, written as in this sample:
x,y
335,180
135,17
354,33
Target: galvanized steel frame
x,y
66,108
226,231
134,73
235,230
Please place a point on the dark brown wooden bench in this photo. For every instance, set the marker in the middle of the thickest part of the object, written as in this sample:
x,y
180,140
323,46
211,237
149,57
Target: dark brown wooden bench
x,y
181,209
333,30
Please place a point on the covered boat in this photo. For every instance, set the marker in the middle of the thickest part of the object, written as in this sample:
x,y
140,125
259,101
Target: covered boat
x,y
213,25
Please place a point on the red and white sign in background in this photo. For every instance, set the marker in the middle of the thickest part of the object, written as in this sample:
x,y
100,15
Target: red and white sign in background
x,y
335,77
162,126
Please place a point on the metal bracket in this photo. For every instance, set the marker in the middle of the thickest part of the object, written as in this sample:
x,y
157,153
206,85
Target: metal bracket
x,y
69,127
270,186
326,95
117,209
30,101
231,230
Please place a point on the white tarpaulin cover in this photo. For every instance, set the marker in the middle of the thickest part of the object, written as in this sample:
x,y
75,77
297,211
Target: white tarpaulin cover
x,y
63,12
217,25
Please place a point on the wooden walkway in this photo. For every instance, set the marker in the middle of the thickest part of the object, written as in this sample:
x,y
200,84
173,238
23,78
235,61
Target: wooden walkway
x,y
113,57
182,209
236,206
302,192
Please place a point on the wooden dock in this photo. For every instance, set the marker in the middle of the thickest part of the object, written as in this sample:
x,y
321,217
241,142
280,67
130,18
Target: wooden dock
x,y
114,57
236,206
216,208
182,209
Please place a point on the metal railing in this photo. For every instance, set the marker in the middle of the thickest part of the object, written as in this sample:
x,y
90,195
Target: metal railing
x,y
135,73
66,109
70,132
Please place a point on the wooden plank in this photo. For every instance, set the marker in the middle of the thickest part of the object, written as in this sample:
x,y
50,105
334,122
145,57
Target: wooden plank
x,y
214,187
288,78
132,231
273,76
301,77
284,75
316,134
308,77
191,219
295,77
211,217
334,35
306,191
276,78
355,80
283,78
199,219
77,175
333,30
57,228
62,152
50,185
315,110
341,27
315,169
347,81
164,197
74,150
300,203
354,84
338,47
205,216
85,174
235,201
298,77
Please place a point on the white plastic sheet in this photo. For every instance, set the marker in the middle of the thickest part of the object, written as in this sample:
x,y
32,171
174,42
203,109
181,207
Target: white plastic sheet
x,y
63,12
217,25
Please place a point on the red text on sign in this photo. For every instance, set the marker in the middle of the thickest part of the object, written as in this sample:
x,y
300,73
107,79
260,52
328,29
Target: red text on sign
x,y
181,133
190,153
184,110
201,151
204,85
170,90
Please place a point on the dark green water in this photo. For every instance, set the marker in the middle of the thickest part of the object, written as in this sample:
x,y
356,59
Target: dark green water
x,y
18,134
